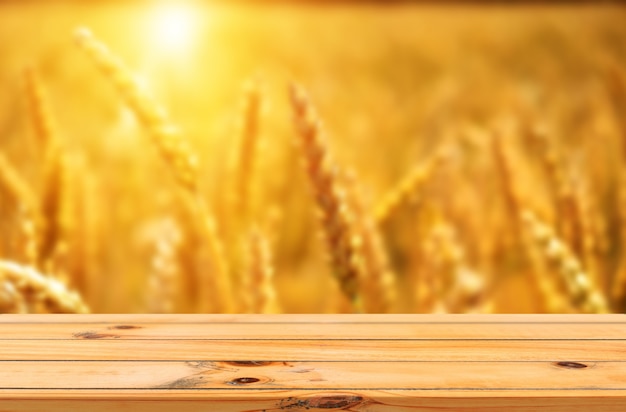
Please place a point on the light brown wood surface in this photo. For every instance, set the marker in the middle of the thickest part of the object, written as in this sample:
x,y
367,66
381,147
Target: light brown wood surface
x,y
260,363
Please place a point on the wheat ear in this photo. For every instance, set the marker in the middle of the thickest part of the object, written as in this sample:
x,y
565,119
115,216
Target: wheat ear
x,y
379,285
164,133
176,153
402,194
53,222
259,277
341,240
567,207
456,287
573,281
41,293
573,223
163,288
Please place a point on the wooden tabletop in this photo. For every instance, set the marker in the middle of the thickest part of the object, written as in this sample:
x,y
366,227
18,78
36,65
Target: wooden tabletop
x,y
263,363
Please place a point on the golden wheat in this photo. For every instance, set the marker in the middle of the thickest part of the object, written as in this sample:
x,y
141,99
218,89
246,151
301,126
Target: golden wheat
x,y
508,186
42,118
618,284
582,235
53,214
163,289
53,220
451,236
455,286
616,82
166,136
341,240
247,148
82,234
407,189
238,207
573,281
378,287
577,229
259,289
13,188
28,233
571,223
41,293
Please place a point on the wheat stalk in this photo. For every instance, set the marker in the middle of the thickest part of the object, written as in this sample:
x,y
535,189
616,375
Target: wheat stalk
x,y
549,299
82,235
455,287
241,191
379,283
618,289
177,155
165,135
259,289
219,281
246,156
550,165
425,286
17,192
508,187
41,293
163,288
14,188
582,235
53,222
28,234
570,209
341,240
617,93
567,207
402,194
42,118
437,268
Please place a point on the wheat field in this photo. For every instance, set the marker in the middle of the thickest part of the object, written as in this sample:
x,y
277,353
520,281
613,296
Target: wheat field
x,y
243,158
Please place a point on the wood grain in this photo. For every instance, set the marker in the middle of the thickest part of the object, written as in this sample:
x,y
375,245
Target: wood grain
x,y
311,350
257,363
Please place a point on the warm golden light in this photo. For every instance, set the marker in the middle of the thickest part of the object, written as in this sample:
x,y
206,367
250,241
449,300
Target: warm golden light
x,y
173,26
381,156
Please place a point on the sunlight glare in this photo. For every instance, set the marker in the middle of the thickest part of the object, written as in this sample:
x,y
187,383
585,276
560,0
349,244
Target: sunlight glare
x,y
174,26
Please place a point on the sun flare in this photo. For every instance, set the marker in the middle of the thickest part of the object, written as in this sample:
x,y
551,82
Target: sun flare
x,y
173,26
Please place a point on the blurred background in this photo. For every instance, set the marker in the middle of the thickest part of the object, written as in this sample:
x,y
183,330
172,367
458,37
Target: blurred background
x,y
449,157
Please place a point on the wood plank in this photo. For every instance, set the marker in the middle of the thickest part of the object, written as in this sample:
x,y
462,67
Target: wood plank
x,y
314,318
363,363
313,327
315,350
333,376
296,401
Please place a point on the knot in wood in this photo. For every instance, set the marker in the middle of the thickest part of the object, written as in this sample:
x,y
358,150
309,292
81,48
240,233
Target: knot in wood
x,y
243,381
570,365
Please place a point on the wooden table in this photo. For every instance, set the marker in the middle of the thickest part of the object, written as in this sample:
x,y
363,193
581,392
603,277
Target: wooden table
x,y
386,363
